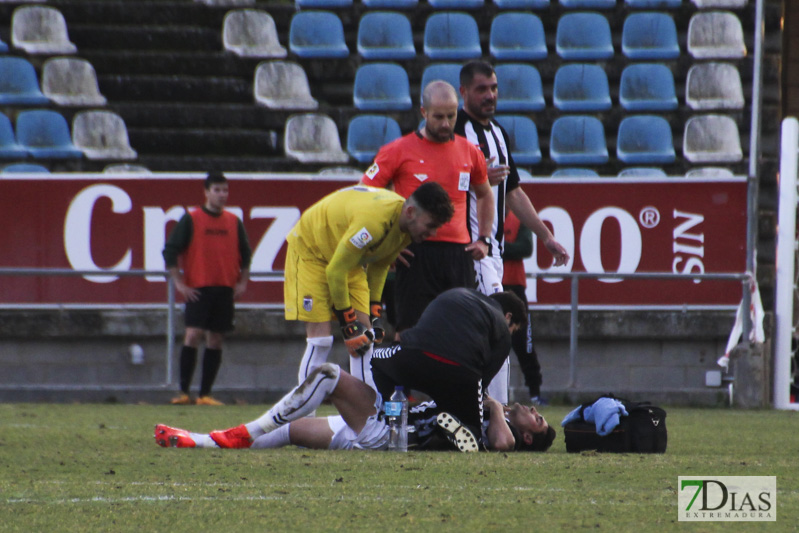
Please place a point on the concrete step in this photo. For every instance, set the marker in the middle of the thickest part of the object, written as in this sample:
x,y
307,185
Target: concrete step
x,y
225,163
179,142
157,62
187,89
200,115
163,38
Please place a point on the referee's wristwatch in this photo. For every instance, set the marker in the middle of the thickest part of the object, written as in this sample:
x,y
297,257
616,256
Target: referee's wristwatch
x,y
487,241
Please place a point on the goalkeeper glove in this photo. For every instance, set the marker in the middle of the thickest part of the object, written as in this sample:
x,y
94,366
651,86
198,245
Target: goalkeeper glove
x,y
357,337
376,312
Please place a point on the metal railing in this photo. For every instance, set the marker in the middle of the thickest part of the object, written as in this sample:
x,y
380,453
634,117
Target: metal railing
x,y
745,277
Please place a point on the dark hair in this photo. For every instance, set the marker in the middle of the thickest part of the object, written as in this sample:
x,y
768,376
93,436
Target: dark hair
x,y
512,304
541,440
214,177
433,199
472,68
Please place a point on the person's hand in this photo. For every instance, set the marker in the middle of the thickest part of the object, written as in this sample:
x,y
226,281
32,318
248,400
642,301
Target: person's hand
x,y
403,257
496,174
357,337
478,250
558,252
376,315
239,289
189,294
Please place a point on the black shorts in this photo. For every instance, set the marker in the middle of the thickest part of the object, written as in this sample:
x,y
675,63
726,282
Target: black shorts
x,y
213,311
435,268
455,389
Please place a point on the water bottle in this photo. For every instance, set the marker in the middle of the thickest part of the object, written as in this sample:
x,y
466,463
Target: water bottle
x,y
396,410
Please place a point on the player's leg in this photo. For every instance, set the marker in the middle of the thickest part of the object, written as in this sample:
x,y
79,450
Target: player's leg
x,y
360,366
194,317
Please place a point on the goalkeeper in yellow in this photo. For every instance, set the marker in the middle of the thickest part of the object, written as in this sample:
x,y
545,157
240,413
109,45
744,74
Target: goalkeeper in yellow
x,y
339,254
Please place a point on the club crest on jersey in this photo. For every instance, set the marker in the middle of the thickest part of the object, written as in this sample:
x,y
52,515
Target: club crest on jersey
x,y
362,238
420,177
307,303
372,171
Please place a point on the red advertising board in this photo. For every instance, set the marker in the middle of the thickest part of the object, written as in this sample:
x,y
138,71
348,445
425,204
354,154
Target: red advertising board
x,y
96,222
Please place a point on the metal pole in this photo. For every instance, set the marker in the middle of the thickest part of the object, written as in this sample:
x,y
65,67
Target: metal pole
x,y
573,331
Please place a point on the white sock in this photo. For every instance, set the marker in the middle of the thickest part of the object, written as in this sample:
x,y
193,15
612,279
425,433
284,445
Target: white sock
x,y
361,367
316,351
203,440
276,439
305,398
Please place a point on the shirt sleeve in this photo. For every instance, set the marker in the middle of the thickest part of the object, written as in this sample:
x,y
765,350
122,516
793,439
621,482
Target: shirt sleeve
x,y
178,240
382,171
348,256
479,168
520,248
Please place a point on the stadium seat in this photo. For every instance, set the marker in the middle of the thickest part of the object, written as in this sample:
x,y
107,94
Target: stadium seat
x,y
283,85
710,172
381,87
313,138
385,35
720,4
575,173
456,4
645,140
517,37
716,35
45,135
714,86
711,139
647,87
18,83
69,81
317,34
390,4
521,4
251,33
523,137
322,4
520,86
449,72
126,168
3,46
524,175
653,4
587,4
581,87
102,135
28,168
578,140
583,37
9,147
367,133
40,30
642,172
649,36
451,37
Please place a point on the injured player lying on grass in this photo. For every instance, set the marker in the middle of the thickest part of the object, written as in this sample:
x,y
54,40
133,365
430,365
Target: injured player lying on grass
x,y
360,423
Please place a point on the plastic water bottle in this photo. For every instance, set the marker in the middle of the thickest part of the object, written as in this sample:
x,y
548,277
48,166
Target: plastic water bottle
x,y
396,410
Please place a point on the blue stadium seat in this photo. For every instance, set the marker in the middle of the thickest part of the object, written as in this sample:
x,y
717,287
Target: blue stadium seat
x,y
575,173
523,136
524,175
451,37
45,135
583,37
588,4
3,46
642,172
9,147
317,34
581,87
385,35
449,72
390,4
645,140
322,4
456,4
647,87
24,167
520,87
522,4
578,140
381,87
517,37
653,4
19,84
649,36
367,133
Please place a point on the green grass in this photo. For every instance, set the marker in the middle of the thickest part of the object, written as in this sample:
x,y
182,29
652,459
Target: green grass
x,y
96,468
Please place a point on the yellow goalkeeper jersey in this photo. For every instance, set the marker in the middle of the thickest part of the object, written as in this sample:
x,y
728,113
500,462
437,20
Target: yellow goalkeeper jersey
x,y
355,227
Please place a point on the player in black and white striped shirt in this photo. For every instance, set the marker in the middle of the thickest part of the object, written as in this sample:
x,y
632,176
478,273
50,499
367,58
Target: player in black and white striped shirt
x,y
479,90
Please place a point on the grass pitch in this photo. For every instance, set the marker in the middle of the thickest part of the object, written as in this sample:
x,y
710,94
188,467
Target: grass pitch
x,y
70,468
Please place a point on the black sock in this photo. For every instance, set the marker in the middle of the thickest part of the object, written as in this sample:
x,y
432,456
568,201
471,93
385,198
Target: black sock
x,y
188,360
212,360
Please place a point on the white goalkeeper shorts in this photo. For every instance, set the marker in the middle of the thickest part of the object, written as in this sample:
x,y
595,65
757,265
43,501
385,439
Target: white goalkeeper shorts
x,y
488,272
373,436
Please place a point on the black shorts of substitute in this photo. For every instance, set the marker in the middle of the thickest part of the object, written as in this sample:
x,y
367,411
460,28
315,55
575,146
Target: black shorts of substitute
x,y
213,310
455,389
435,268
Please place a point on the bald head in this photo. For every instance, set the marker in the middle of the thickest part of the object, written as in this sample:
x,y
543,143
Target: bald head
x,y
438,92
439,110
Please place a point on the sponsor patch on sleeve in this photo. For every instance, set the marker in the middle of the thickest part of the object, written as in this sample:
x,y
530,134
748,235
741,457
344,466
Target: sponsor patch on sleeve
x,y
361,238
372,171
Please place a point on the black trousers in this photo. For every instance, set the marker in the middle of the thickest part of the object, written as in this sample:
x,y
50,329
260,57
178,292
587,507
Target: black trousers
x,y
522,342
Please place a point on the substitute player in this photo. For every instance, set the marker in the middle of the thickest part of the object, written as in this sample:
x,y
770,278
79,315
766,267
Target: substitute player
x,y
339,253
